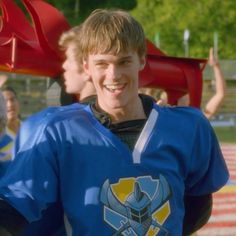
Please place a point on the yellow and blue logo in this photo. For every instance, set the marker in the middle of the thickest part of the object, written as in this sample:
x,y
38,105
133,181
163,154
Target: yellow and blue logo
x,y
137,206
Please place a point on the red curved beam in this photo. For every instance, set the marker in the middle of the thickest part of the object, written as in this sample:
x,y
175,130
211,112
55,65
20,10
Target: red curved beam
x,y
31,48
176,75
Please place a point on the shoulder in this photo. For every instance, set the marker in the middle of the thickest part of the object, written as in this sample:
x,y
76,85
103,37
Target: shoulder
x,y
182,115
50,122
66,113
5,139
49,117
53,113
185,111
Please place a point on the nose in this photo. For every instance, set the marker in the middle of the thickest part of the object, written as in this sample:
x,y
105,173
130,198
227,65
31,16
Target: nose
x,y
8,102
64,65
114,72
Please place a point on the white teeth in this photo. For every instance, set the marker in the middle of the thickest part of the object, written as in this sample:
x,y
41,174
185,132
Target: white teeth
x,y
114,87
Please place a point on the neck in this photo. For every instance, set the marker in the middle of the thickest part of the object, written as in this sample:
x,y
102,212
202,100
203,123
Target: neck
x,y
13,125
134,111
87,91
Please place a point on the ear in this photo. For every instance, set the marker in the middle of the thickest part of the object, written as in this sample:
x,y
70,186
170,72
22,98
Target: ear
x,y
86,67
87,77
142,62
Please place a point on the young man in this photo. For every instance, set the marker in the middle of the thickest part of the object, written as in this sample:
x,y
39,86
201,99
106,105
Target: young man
x,y
121,165
76,81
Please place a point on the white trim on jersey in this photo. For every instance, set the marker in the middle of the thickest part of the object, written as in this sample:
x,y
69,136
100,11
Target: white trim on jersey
x,y
142,140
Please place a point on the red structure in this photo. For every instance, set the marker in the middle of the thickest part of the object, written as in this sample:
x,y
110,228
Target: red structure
x,y
31,47
177,76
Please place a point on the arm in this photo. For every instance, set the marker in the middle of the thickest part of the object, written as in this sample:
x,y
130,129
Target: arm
x,y
207,162
197,212
214,102
28,201
10,220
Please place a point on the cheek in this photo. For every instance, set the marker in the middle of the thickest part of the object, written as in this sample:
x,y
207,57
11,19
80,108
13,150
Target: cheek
x,y
74,74
142,63
96,76
133,72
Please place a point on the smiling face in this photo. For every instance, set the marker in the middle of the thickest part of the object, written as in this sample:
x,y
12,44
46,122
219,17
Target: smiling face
x,y
113,50
12,105
74,75
115,78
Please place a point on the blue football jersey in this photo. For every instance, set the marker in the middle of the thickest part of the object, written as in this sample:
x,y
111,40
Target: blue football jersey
x,y
52,221
30,125
106,188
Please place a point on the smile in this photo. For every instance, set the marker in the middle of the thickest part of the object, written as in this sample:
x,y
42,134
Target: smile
x,y
114,87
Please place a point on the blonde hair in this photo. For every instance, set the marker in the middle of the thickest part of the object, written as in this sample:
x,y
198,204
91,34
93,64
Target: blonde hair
x,y
73,36
107,30
68,36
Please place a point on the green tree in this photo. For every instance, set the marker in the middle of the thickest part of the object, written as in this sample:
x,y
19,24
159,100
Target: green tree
x,y
202,17
76,10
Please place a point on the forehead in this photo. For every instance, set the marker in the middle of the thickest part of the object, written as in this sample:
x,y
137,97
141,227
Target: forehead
x,y
70,49
113,56
8,94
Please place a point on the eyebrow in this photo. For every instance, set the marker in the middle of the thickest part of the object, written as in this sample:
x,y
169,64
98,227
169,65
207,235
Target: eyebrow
x,y
125,58
118,60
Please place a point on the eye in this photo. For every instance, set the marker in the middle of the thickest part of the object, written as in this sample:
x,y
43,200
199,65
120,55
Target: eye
x,y
125,62
101,64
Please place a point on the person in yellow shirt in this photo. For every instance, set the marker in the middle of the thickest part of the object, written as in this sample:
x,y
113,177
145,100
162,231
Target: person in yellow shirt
x,y
5,139
12,125
13,109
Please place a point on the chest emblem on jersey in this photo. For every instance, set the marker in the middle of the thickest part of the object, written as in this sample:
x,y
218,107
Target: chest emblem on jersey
x,y
136,206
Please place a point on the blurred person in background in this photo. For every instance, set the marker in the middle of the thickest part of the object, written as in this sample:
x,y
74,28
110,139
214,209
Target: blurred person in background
x,y
76,81
9,97
13,109
214,102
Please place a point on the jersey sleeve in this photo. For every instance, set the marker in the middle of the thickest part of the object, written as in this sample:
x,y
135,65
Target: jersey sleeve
x,y
28,126
31,182
208,170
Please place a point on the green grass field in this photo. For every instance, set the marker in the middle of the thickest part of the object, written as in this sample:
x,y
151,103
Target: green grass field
x,y
226,134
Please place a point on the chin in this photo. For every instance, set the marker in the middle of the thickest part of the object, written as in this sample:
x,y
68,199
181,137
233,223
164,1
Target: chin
x,y
69,91
116,105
